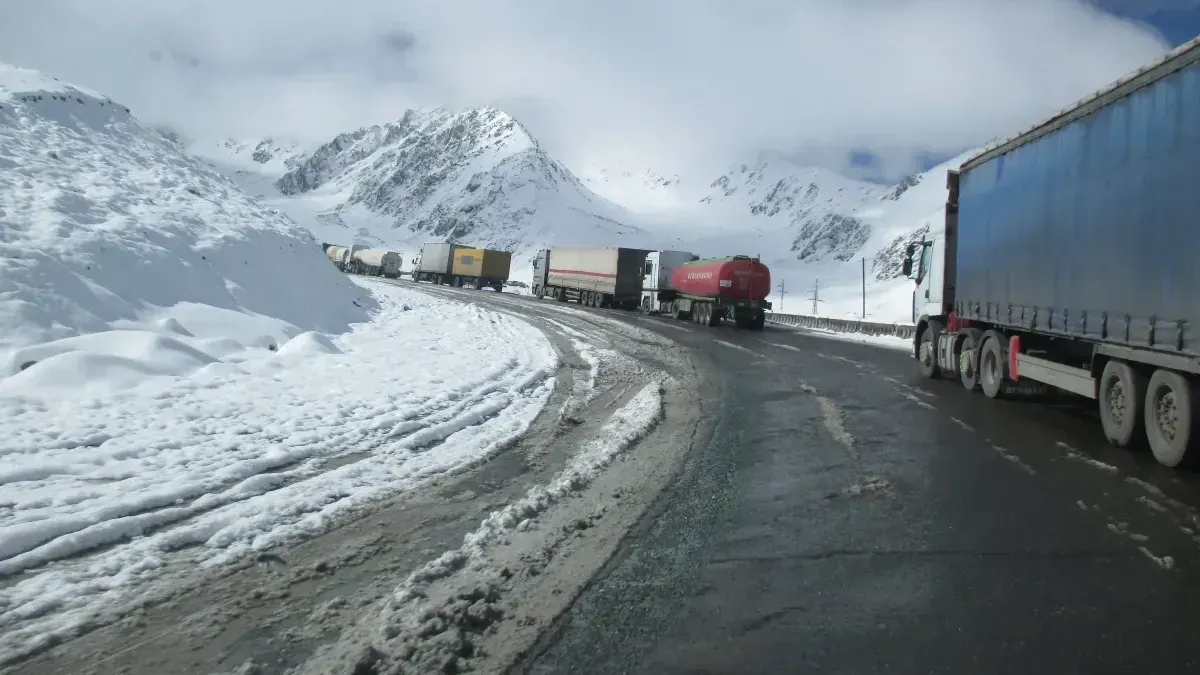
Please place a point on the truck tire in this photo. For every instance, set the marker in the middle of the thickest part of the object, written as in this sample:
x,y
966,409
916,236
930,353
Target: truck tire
x,y
968,363
757,321
713,316
927,350
1120,397
1170,407
991,365
676,313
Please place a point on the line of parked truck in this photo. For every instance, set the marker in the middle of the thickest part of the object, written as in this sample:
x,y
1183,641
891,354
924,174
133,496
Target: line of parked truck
x,y
367,261
678,283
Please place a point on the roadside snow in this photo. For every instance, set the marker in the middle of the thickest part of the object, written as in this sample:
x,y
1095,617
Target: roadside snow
x,y
885,341
111,497
105,224
425,625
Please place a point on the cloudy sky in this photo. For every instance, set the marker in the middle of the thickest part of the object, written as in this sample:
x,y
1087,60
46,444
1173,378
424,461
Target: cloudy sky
x,y
665,83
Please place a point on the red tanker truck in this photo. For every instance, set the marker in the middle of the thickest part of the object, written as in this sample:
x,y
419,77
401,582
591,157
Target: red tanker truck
x,y
711,290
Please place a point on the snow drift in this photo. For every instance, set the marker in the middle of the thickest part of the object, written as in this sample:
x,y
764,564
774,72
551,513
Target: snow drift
x,y
105,224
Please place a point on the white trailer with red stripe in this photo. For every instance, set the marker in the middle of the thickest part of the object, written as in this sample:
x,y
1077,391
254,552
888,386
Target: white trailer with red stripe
x,y
596,276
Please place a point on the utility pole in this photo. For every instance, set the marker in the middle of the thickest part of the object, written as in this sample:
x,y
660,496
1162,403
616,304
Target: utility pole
x,y
782,294
864,282
816,295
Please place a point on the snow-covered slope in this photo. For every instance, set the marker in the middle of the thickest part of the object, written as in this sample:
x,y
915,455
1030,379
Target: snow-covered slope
x,y
475,176
107,225
894,217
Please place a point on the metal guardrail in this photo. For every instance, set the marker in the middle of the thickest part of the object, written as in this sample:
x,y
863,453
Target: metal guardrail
x,y
899,330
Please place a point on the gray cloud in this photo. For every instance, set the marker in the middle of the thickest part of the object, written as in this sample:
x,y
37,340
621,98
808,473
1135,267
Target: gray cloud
x,y
672,83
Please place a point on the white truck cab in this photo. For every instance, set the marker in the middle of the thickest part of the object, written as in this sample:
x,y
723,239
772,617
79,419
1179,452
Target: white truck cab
x,y
656,284
924,263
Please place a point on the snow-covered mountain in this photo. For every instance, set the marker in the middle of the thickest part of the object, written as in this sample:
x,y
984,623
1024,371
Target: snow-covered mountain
x,y
475,176
106,225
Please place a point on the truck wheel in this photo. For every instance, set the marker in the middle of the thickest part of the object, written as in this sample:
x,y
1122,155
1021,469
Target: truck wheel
x,y
1120,397
676,313
927,350
968,372
1169,411
991,366
713,316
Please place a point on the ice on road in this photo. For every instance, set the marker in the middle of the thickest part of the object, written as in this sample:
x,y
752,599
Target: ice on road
x,y
104,498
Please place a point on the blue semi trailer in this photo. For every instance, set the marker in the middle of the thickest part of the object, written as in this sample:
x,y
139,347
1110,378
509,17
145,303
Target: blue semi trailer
x,y
1071,259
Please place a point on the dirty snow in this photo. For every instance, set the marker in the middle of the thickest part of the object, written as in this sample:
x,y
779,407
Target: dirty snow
x,y
185,379
250,453
424,625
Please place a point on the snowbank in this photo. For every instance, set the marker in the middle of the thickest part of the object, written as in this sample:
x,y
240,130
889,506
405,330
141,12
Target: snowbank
x,y
105,224
422,625
110,500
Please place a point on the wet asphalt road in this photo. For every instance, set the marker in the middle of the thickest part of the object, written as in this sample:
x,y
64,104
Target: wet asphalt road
x,y
847,516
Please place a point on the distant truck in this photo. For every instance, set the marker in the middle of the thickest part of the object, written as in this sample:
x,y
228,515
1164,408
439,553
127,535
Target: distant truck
x,y
339,256
1068,262
459,265
595,276
709,291
375,262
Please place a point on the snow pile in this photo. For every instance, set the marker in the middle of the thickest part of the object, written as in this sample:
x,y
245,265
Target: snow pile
x,y
428,627
108,501
105,224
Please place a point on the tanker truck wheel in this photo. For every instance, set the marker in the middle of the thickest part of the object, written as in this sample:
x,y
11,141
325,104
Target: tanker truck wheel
x,y
757,322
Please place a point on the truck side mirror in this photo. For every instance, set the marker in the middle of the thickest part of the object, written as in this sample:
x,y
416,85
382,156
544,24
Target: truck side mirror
x,y
907,265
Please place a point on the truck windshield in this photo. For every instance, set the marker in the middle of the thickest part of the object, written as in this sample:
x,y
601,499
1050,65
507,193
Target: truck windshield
x,y
923,265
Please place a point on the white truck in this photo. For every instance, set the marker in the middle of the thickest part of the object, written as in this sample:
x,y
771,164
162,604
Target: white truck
x,y
375,262
595,276
657,292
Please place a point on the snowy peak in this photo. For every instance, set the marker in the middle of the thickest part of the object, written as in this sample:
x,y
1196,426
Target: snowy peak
x,y
426,143
441,174
816,204
772,188
48,98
